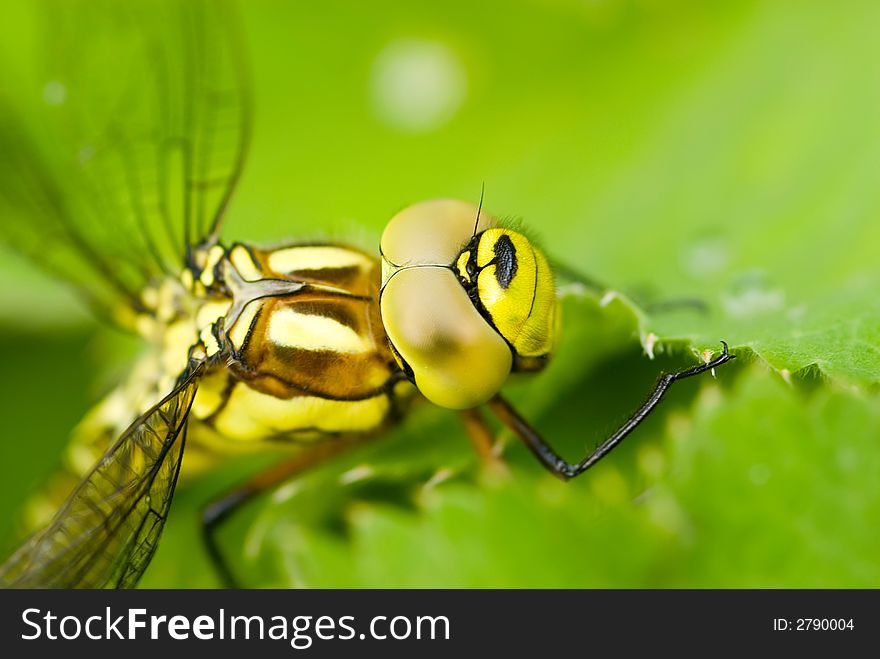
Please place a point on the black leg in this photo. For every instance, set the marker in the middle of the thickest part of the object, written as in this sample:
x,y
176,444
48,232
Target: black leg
x,y
219,510
565,470
212,517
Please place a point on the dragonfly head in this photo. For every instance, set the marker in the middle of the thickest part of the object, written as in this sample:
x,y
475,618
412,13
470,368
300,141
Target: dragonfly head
x,y
464,301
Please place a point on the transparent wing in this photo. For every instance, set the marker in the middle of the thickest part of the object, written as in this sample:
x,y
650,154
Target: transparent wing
x,y
107,531
124,145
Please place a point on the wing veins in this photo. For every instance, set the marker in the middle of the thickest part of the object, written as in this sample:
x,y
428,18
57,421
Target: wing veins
x,y
79,546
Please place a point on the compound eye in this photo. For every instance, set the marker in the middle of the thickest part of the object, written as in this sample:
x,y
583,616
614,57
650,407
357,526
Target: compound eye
x,y
457,359
431,232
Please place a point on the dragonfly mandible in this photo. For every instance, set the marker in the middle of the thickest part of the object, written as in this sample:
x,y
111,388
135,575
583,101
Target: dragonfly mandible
x,y
123,192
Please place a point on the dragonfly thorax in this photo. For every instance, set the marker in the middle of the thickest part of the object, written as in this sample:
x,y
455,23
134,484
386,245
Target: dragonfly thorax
x,y
293,342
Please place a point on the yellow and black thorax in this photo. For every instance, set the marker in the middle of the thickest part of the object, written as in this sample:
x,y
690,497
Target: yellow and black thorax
x,y
294,342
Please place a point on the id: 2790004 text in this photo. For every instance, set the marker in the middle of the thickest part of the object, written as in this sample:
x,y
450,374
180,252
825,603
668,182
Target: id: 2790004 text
x,y
812,624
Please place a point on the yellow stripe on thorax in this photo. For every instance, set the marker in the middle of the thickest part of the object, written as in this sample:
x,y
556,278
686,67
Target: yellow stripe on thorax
x,y
238,333
309,332
244,264
296,259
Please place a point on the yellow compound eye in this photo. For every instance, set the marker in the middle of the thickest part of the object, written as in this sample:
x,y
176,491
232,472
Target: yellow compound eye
x,y
457,359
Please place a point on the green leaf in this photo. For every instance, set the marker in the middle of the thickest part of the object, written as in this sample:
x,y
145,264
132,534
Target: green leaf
x,y
745,490
773,489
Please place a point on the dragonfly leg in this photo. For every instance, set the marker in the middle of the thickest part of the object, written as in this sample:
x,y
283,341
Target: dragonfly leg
x,y
483,440
222,508
565,470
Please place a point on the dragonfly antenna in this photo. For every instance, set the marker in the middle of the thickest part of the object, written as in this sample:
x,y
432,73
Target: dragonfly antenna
x,y
480,207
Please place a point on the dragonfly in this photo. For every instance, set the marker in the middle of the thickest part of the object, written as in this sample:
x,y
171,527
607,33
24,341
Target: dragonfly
x,y
123,191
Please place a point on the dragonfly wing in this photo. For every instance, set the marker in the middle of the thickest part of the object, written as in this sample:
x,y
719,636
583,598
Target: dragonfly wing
x,y
107,531
126,145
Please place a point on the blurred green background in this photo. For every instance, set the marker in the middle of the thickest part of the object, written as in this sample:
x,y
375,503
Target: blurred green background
x,y
721,150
